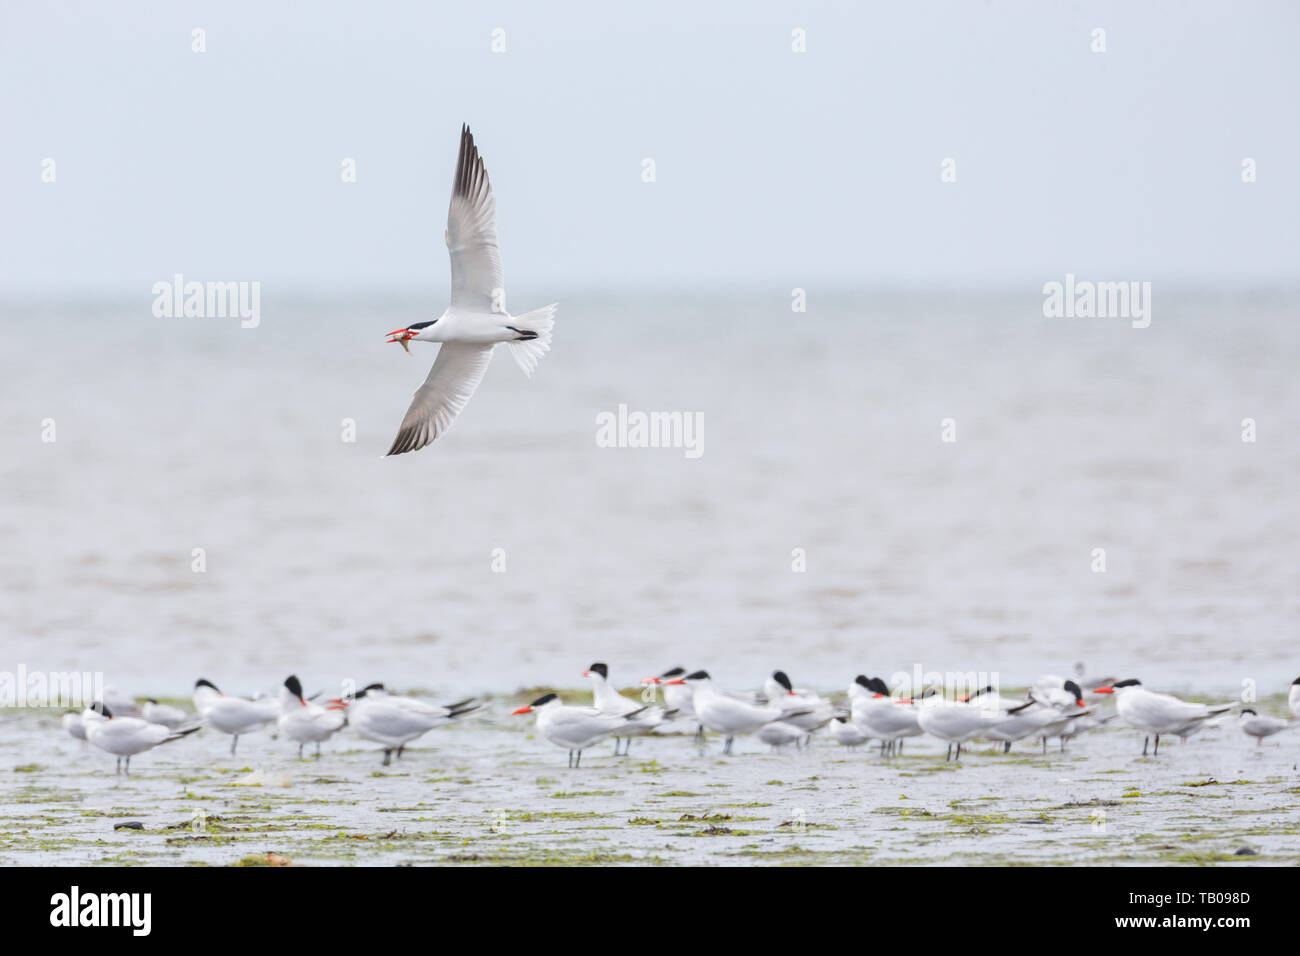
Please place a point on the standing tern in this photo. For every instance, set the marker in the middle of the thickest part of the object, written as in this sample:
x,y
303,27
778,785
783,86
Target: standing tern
x,y
729,715
779,732
1260,726
880,716
680,698
119,703
395,721
609,701
164,714
817,711
846,732
232,715
1157,714
124,737
73,724
304,722
476,321
954,721
574,728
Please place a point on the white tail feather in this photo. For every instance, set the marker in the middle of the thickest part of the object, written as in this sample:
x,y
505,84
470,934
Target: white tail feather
x,y
528,352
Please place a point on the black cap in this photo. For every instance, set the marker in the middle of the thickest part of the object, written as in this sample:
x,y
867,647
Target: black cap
x,y
544,699
294,686
600,669
201,682
698,675
780,678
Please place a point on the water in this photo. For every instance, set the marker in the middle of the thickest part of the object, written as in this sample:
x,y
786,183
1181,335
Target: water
x,y
821,432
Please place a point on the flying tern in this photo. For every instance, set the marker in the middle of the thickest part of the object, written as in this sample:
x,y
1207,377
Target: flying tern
x,y
476,321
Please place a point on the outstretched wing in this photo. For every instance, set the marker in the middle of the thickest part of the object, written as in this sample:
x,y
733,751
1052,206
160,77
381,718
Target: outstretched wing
x,y
476,274
456,372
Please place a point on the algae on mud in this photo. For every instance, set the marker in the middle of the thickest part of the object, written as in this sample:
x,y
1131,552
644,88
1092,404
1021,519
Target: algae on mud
x,y
486,793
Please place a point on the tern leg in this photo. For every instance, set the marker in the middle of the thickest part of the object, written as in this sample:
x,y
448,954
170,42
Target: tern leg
x,y
400,749
388,756
627,746
570,759
1157,750
300,751
128,765
900,745
234,740
727,747
318,750
578,762
1044,745
1146,742
119,766
949,757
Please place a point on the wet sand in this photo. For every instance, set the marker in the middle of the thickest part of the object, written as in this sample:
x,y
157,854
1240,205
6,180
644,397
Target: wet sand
x,y
490,792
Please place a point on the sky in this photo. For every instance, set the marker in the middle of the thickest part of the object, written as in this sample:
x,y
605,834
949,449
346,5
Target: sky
x,y
771,166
